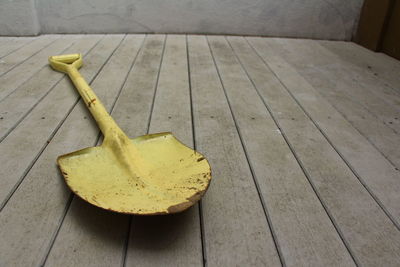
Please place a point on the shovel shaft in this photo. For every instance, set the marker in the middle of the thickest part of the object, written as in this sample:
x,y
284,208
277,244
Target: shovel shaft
x,y
105,122
70,64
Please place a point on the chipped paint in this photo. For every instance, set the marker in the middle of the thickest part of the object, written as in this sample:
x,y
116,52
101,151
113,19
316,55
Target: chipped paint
x,y
148,175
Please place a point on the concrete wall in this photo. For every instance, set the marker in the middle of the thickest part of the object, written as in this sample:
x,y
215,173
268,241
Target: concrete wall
x,y
322,19
18,17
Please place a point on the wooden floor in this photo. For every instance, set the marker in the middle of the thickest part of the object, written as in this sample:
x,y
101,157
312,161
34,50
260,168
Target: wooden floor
x,y
303,138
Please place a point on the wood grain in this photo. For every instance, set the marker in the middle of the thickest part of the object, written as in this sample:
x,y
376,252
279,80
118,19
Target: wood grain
x,y
19,103
236,230
298,134
12,60
370,235
173,240
9,45
364,99
380,65
18,75
377,174
32,216
303,229
90,236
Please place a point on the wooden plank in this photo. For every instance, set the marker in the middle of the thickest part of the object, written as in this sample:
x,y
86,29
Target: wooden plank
x,y
10,44
372,81
236,230
377,175
169,240
103,244
357,215
368,80
5,40
14,59
17,76
370,93
345,94
32,216
25,146
304,231
134,106
382,66
20,102
131,112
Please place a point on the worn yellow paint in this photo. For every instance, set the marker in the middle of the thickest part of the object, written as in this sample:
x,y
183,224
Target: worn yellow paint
x,y
147,175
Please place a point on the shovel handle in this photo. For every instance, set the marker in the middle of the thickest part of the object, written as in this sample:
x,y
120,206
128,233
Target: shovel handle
x,y
70,64
63,62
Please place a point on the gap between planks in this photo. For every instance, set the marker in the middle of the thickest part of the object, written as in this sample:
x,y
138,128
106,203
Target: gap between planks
x,y
98,139
24,99
193,132
31,181
388,230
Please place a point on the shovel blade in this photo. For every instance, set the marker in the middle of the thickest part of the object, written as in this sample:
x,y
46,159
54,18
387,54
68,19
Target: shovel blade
x,y
165,176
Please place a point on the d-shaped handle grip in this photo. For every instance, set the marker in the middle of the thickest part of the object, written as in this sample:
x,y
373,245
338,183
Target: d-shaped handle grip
x,y
63,62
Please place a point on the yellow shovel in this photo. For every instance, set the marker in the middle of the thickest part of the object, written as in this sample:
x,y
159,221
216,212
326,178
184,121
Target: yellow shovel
x,y
148,175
